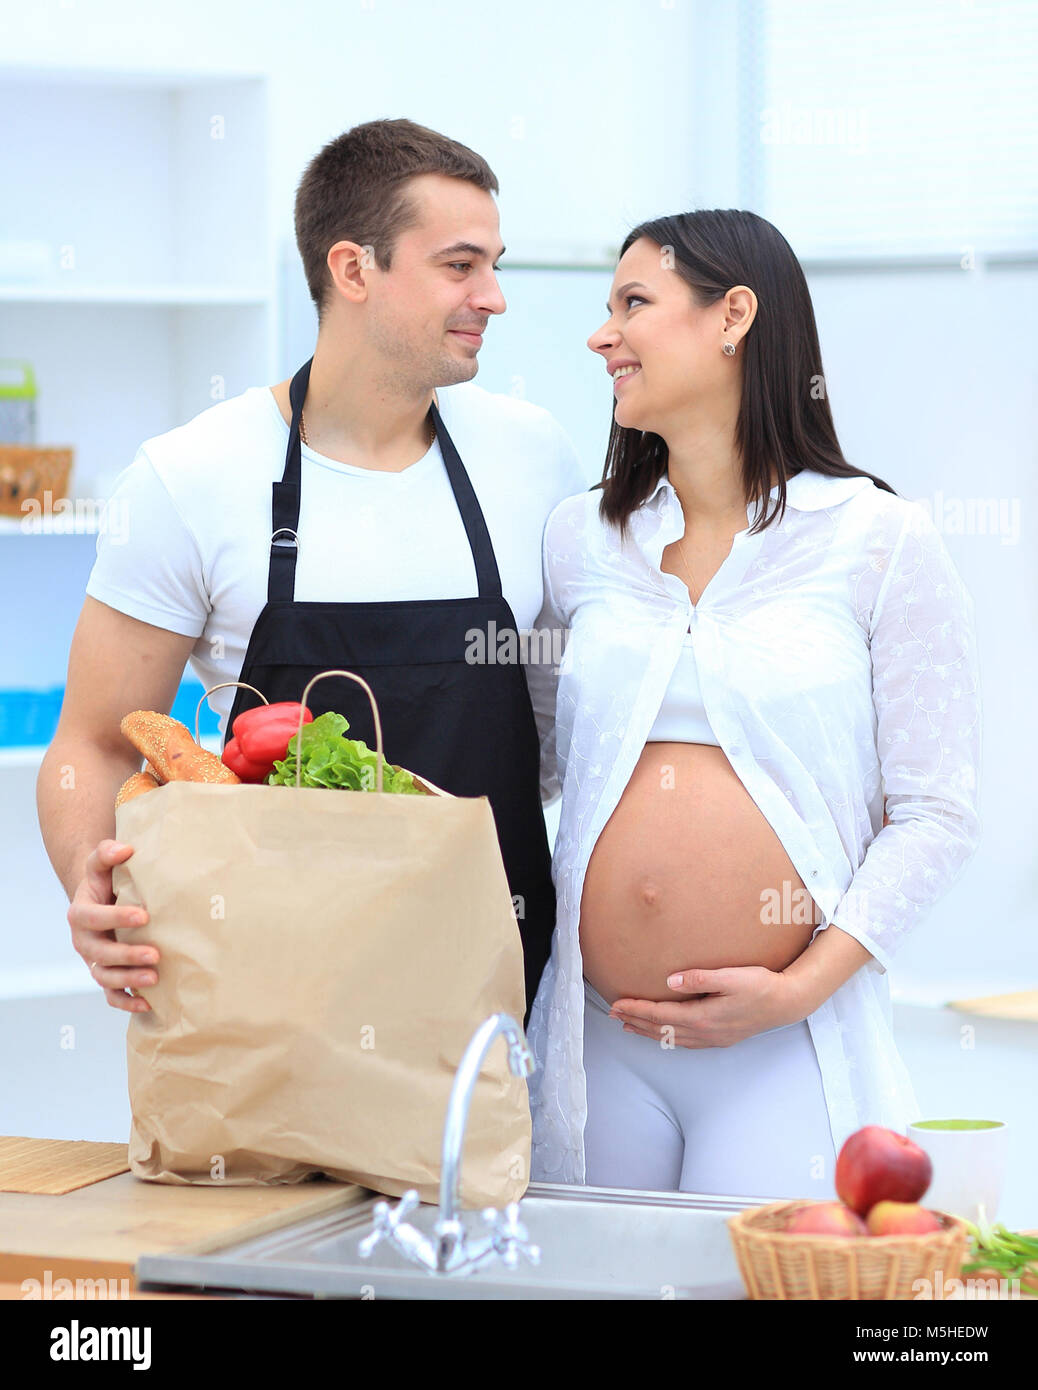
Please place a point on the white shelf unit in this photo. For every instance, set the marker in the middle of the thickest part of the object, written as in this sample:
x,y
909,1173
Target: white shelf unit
x,y
51,523
31,756
150,194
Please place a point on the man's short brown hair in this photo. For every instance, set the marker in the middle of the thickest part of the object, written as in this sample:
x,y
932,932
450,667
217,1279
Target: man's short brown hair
x,y
355,190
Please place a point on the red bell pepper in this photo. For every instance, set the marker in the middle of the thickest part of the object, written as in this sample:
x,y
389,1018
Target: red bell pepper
x,y
233,758
264,733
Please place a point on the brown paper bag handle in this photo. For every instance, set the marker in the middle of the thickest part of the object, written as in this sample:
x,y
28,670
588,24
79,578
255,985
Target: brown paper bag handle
x,y
223,686
379,756
380,759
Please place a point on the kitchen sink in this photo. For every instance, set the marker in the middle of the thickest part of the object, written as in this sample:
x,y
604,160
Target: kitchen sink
x,y
595,1242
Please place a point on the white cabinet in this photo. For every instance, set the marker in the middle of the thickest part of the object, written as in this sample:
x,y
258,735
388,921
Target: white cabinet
x,y
138,275
138,271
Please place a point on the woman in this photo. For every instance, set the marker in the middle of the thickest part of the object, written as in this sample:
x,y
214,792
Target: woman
x,y
740,690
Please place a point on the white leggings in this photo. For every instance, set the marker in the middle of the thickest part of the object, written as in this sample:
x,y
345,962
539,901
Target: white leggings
x,y
749,1119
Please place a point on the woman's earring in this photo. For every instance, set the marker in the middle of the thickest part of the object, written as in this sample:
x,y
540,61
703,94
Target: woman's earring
x,y
729,348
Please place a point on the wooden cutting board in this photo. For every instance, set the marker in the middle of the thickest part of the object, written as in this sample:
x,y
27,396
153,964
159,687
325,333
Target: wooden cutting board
x,y
1023,1006
100,1230
57,1165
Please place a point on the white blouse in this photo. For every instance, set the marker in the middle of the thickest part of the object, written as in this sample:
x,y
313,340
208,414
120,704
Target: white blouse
x,y
837,660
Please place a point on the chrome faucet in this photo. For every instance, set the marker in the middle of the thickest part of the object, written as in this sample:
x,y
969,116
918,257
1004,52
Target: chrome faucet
x,y
452,1252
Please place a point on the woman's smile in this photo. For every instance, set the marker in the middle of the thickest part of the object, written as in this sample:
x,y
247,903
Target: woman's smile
x,y
625,375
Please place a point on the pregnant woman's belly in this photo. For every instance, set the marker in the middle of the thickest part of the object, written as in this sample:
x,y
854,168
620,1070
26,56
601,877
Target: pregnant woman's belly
x,y
686,873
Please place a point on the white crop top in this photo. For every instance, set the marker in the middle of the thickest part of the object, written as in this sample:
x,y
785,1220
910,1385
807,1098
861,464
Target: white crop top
x,y
682,718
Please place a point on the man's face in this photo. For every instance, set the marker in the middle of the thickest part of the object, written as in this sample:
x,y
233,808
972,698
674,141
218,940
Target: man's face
x,y
441,283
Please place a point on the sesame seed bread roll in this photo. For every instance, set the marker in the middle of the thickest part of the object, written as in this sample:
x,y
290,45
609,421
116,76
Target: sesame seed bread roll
x,y
172,754
134,786
187,762
148,730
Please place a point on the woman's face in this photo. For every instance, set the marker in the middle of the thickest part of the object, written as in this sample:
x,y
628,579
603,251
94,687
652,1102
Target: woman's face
x,y
677,346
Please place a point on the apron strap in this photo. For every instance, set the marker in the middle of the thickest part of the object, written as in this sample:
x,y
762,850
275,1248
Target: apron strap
x,y
480,544
285,507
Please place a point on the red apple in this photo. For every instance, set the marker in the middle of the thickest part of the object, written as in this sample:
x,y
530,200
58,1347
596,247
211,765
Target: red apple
x,y
878,1165
901,1219
826,1219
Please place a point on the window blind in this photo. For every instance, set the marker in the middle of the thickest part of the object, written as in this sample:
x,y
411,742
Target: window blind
x,y
893,127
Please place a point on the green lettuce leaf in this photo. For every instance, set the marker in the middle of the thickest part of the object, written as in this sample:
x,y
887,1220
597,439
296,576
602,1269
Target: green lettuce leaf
x,y
331,760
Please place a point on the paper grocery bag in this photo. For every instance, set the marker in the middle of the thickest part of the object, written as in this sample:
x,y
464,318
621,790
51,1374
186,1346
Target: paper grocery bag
x,y
325,957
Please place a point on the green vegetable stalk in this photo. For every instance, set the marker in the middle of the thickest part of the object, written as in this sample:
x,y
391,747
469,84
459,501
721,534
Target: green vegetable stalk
x,y
1008,1253
331,760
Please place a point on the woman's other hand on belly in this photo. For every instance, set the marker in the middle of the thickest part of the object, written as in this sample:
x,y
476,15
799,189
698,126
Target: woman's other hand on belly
x,y
730,1005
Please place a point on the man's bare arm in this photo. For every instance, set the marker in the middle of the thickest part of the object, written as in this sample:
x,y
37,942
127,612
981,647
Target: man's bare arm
x,y
116,664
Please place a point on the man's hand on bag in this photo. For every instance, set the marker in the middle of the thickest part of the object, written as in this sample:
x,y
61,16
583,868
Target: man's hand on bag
x,y
117,966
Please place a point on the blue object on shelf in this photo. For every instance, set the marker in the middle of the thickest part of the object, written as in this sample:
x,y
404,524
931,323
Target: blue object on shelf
x,y
184,705
29,718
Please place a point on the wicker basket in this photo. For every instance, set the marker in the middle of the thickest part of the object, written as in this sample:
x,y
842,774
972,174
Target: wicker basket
x,y
27,473
775,1265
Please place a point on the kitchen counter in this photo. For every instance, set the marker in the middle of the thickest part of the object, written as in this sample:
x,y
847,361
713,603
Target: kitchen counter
x,y
99,1231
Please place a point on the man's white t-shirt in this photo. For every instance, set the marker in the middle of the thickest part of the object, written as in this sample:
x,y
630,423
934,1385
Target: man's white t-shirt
x,y
194,552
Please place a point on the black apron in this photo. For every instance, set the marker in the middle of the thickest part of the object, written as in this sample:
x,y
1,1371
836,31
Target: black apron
x,y
467,727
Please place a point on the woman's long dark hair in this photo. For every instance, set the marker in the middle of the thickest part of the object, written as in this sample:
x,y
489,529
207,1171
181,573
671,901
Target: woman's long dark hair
x,y
784,418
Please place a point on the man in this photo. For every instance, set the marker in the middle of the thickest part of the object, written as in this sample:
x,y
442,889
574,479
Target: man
x,y
329,521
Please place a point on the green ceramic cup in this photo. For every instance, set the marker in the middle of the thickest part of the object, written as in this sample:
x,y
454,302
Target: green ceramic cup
x,y
969,1164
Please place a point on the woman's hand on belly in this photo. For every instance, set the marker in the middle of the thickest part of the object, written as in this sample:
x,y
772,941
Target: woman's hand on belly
x,y
734,1003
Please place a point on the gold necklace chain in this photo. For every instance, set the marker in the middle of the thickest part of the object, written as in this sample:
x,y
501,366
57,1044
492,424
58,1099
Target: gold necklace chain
x,y
302,432
681,552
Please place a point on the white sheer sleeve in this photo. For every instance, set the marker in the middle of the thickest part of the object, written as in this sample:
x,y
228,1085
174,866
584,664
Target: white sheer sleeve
x,y
926,693
542,677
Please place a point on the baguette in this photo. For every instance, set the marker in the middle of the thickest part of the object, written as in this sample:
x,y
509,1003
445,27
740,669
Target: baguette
x,y
187,762
172,754
134,786
148,730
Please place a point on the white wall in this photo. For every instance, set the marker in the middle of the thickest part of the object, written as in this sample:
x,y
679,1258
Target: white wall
x,y
532,87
